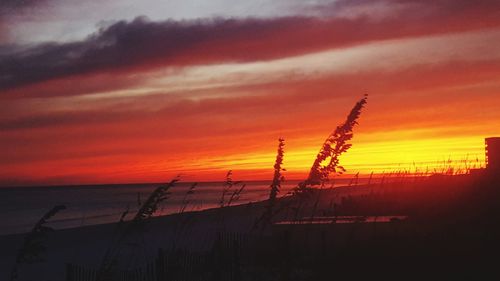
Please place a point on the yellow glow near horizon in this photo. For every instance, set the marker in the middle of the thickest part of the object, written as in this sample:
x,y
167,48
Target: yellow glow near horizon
x,y
416,155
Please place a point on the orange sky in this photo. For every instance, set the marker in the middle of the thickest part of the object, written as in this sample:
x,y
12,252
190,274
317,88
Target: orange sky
x,y
143,100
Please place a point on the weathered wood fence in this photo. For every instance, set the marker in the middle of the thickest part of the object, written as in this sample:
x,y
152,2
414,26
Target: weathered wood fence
x,y
79,273
291,249
222,263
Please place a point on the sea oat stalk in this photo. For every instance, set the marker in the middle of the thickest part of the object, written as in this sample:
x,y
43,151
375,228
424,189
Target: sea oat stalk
x,y
278,177
334,146
33,246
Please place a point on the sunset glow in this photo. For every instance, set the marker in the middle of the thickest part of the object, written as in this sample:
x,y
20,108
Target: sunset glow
x,y
115,98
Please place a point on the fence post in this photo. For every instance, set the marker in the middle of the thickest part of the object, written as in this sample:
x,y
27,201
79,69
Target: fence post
x,y
287,264
160,265
69,272
236,259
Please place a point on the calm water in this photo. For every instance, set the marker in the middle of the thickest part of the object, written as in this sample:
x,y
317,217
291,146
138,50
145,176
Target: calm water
x,y
22,207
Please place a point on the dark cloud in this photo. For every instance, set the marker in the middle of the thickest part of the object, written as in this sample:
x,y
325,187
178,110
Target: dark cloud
x,y
142,44
135,43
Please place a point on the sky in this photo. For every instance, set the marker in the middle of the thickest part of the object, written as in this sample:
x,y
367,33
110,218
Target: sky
x,y
117,91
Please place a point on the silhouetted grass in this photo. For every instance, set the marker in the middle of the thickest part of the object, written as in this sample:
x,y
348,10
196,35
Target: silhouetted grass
x,y
145,212
33,247
235,196
228,184
327,161
151,205
335,145
278,177
185,200
275,187
227,188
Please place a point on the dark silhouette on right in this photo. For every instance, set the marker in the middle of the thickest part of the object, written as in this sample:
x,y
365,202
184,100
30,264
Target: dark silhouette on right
x,y
493,154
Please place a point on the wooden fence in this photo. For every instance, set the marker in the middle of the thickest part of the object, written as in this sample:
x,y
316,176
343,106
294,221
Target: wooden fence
x,y
79,273
222,263
291,248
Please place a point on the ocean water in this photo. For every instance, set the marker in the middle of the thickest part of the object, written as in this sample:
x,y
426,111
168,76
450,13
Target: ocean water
x,y
22,207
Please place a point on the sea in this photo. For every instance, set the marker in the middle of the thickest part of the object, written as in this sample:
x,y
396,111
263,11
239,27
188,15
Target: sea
x,y
22,207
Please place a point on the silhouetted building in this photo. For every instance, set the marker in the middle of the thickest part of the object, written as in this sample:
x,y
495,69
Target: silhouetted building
x,y
493,154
